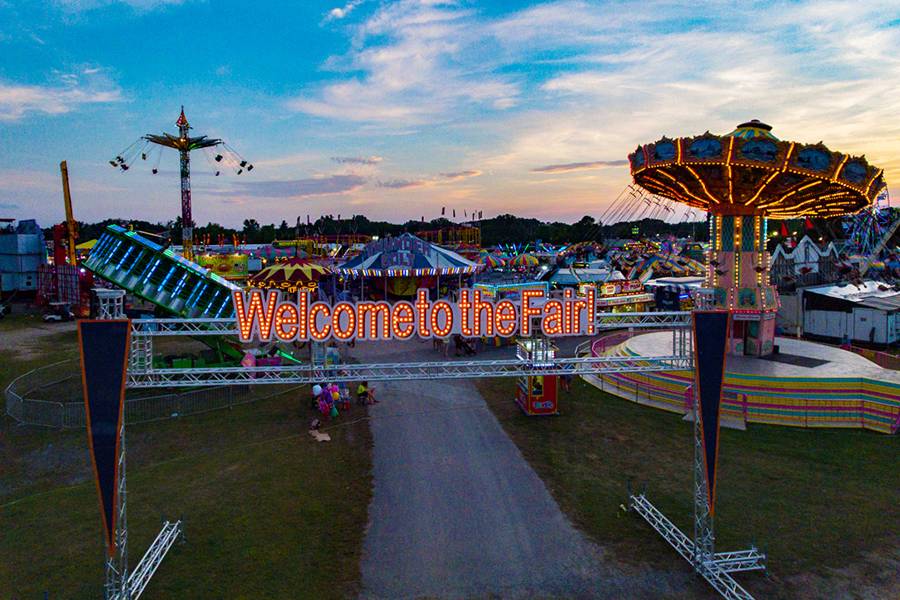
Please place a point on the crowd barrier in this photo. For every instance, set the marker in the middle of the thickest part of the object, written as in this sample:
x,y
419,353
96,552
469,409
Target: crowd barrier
x,y
27,399
882,359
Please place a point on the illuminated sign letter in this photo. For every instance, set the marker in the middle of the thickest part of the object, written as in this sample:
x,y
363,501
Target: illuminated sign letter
x,y
402,320
314,332
479,306
338,329
465,325
286,314
441,306
505,318
422,304
528,311
551,324
374,311
254,317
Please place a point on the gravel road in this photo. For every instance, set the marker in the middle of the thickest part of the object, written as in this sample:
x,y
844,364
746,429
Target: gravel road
x,y
457,512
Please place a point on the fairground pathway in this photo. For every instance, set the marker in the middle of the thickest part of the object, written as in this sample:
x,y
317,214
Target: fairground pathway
x,y
458,513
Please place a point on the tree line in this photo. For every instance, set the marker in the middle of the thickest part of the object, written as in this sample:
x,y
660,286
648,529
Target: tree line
x,y
502,229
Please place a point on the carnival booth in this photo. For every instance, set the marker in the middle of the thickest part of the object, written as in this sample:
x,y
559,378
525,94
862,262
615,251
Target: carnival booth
x,y
510,290
620,296
537,394
398,266
233,267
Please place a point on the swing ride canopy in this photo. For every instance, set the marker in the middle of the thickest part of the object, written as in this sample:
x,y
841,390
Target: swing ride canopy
x,y
751,172
404,256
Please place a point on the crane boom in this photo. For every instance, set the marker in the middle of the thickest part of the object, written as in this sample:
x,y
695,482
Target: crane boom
x,y
70,219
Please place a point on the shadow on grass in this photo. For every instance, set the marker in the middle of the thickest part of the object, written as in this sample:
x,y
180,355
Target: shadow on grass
x,y
269,513
815,500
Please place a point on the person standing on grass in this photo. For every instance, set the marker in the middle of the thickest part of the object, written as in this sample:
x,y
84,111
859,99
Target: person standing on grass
x,y
566,381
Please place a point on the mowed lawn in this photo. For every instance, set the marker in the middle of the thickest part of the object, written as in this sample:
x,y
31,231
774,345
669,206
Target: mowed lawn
x,y
268,512
823,504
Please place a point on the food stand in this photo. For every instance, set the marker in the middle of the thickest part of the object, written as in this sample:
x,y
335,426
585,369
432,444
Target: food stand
x,y
620,296
537,394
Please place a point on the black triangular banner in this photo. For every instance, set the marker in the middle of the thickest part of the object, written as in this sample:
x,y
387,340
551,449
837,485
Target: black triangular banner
x,y
710,348
104,353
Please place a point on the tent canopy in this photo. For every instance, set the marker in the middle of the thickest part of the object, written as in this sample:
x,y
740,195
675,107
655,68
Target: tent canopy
x,y
406,256
289,275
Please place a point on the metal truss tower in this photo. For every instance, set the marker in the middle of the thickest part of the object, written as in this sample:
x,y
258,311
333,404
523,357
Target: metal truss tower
x,y
117,565
714,567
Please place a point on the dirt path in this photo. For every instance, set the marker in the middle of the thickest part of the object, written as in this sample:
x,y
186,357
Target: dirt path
x,y
23,336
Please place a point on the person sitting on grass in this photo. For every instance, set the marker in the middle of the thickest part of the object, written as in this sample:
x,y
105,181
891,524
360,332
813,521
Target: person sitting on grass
x,y
365,395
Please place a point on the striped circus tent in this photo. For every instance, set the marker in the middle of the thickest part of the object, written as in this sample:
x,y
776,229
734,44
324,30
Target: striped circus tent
x,y
406,256
291,275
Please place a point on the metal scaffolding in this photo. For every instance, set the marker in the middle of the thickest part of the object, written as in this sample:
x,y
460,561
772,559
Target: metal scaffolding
x,y
714,567
142,373
117,564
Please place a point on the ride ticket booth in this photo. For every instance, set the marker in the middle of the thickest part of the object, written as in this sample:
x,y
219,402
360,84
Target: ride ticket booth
x,y
537,394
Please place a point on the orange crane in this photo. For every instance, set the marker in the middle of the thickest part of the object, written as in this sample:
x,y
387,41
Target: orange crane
x,y
71,226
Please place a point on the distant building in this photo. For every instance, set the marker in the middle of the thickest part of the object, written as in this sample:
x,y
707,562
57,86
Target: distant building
x,y
845,312
804,265
22,251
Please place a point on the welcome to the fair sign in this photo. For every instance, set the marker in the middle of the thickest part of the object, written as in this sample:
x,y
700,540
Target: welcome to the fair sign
x,y
265,316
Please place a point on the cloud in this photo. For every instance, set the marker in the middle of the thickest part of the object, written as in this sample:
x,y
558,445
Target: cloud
x,y
338,13
400,184
8,206
299,188
223,70
579,166
76,6
460,175
357,160
76,89
410,63
805,70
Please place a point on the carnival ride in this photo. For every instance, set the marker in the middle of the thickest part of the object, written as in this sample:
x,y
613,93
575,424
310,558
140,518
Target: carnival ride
x,y
743,178
144,147
864,230
740,179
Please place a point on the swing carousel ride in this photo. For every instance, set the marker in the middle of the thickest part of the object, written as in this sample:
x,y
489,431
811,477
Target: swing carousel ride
x,y
743,178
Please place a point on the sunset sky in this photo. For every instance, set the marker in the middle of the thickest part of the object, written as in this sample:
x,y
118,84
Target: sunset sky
x,y
395,109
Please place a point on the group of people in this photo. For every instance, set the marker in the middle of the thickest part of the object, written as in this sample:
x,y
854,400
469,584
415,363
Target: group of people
x,y
330,399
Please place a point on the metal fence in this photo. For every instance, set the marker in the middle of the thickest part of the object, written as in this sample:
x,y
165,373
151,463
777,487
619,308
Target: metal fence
x,y
31,399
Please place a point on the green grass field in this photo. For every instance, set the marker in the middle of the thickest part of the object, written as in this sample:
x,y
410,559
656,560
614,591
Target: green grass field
x,y
269,513
824,504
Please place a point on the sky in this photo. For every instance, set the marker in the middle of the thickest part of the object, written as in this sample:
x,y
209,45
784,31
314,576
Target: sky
x,y
394,109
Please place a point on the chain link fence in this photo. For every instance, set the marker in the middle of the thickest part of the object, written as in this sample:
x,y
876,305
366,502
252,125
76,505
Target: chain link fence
x,y
51,396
